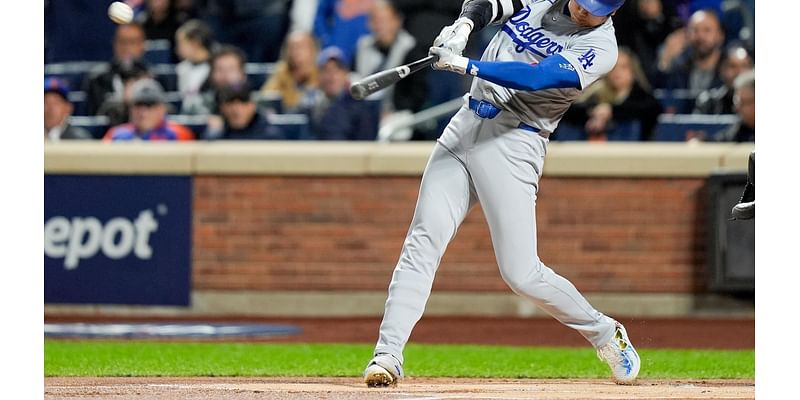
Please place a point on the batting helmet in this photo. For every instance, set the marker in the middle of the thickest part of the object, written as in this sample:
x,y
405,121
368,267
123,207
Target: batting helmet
x,y
600,8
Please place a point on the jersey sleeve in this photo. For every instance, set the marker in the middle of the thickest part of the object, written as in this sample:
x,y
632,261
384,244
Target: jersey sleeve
x,y
592,56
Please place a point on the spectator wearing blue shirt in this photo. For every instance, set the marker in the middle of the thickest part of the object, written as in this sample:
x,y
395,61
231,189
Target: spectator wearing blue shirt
x,y
336,115
341,23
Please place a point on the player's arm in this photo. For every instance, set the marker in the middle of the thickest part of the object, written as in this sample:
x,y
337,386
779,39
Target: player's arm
x,y
576,67
475,14
553,72
485,12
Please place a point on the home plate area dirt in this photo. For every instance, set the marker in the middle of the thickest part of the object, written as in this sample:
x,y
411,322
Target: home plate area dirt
x,y
410,389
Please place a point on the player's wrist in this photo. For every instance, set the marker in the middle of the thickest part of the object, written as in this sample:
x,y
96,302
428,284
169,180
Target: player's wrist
x,y
472,67
464,26
460,64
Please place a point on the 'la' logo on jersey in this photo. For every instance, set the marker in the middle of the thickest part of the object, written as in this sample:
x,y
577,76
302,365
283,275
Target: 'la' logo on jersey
x,y
587,59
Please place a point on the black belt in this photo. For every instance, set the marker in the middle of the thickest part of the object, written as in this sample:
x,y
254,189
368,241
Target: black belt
x,y
487,110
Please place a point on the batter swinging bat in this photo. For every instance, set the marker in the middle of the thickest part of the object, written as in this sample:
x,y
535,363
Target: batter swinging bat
x,y
382,80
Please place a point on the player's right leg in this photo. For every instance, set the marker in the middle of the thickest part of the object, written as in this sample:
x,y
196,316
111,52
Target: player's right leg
x,y
506,178
445,197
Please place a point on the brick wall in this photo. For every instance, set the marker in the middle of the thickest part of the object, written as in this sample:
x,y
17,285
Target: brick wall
x,y
344,233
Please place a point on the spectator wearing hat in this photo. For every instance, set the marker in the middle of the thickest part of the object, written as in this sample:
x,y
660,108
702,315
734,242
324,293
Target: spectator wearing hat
x,y
116,106
148,113
240,117
336,115
57,110
107,82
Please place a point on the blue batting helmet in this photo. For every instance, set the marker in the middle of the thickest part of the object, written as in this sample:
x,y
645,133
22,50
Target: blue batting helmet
x,y
600,8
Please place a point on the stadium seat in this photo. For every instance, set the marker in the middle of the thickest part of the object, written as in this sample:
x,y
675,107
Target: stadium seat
x,y
630,131
158,51
258,73
74,72
96,125
678,101
293,126
269,102
197,123
567,131
675,127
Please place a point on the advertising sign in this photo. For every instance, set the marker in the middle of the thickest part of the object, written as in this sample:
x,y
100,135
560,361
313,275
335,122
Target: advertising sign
x,y
117,239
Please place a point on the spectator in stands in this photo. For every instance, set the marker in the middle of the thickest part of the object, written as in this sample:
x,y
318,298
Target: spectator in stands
x,y
341,23
108,80
719,100
336,115
691,59
426,88
255,26
642,26
386,47
296,76
425,19
744,101
161,19
194,41
240,117
148,117
302,15
227,69
621,101
57,110
116,106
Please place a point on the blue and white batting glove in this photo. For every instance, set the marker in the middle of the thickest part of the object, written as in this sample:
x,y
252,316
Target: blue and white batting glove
x,y
448,60
455,36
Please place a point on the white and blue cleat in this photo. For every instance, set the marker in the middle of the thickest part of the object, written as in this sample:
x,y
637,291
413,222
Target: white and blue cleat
x,y
383,371
620,355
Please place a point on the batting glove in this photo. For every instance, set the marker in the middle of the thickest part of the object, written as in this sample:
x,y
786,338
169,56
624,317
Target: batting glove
x,y
455,36
448,60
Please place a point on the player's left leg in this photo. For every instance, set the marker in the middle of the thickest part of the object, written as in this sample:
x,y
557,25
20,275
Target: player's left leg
x,y
506,171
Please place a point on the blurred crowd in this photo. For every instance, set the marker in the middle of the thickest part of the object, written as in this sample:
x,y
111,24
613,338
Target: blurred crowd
x,y
281,69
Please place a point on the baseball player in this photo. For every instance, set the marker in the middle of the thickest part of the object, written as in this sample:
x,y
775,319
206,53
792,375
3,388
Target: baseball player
x,y
492,152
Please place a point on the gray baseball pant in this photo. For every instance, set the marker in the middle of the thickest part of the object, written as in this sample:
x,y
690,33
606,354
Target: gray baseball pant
x,y
493,162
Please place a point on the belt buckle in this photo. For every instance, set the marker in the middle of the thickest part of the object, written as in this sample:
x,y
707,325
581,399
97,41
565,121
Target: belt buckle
x,y
485,109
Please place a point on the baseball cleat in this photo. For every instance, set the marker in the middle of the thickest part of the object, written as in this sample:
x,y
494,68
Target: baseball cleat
x,y
383,371
620,355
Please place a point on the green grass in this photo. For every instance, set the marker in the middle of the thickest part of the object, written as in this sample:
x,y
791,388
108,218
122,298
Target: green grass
x,y
139,358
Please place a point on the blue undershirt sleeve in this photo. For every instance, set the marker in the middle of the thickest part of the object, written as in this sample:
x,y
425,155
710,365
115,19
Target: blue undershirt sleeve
x,y
553,72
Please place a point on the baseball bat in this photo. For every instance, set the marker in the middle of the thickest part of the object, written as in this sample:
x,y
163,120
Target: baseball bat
x,y
383,79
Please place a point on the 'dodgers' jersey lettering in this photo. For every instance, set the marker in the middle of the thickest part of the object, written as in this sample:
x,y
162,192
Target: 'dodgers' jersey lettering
x,y
537,31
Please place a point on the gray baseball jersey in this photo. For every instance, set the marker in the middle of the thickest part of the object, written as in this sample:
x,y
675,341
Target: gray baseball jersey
x,y
497,162
539,30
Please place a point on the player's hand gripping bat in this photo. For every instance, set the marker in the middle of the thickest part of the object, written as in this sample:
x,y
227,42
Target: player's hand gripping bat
x,y
382,80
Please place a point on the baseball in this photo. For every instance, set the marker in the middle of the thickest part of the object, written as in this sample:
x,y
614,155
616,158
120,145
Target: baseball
x,y
120,12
